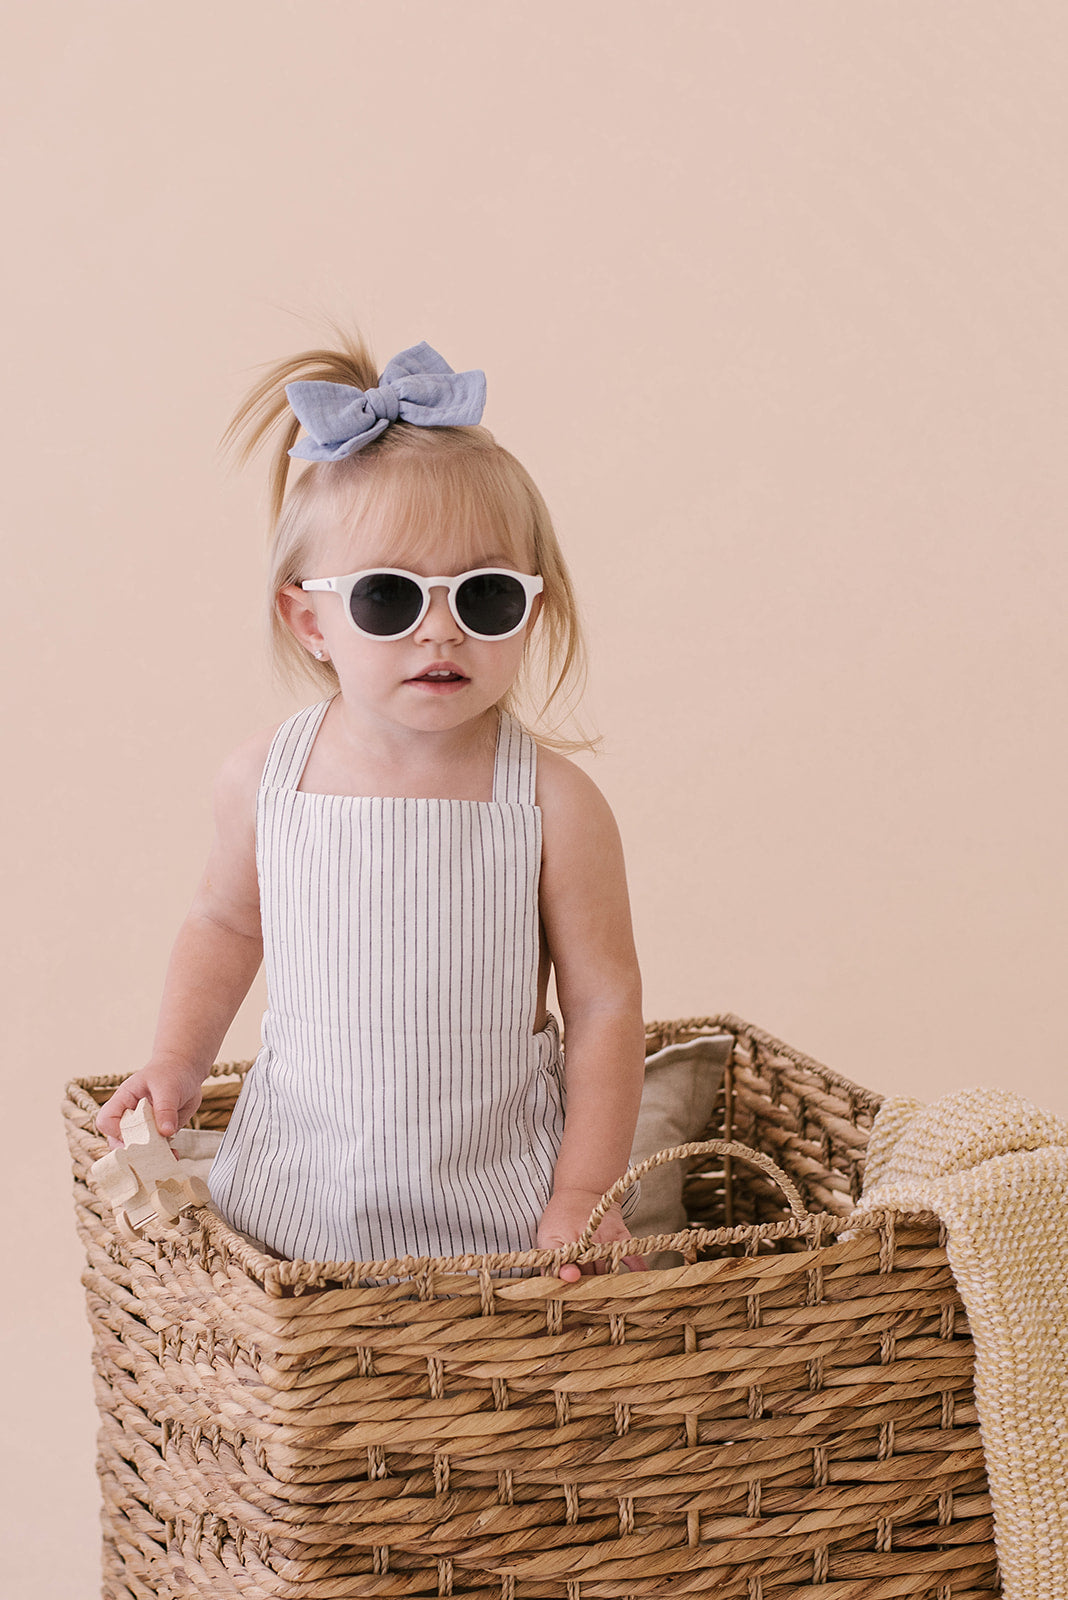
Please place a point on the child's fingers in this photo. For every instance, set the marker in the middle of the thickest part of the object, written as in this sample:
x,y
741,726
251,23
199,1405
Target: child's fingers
x,y
162,1097
165,1109
572,1271
561,1231
111,1113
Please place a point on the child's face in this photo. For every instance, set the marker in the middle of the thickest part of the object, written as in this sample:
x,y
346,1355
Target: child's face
x,y
438,677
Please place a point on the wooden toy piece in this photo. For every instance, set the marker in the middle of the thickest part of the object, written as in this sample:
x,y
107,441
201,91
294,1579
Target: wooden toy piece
x,y
144,1181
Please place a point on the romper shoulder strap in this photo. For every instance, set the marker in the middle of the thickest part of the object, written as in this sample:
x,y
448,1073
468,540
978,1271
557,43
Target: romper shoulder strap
x,y
515,769
291,747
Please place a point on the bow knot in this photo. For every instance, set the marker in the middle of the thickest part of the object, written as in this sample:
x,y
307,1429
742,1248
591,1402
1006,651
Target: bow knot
x,y
384,402
417,386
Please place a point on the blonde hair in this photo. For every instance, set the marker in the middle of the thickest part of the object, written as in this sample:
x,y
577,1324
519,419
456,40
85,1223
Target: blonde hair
x,y
412,482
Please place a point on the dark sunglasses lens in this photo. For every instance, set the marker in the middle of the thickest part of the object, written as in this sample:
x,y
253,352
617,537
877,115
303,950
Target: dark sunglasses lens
x,y
491,603
384,603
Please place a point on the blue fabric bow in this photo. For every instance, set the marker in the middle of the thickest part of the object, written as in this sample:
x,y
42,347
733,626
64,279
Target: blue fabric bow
x,y
417,386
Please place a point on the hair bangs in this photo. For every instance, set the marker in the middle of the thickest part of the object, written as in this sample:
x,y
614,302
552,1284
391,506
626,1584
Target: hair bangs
x,y
409,502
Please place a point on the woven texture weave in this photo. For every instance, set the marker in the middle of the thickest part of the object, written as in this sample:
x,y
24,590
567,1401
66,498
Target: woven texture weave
x,y
788,1415
994,1168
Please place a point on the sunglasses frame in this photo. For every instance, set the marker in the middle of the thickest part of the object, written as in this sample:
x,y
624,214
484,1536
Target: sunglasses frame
x,y
532,587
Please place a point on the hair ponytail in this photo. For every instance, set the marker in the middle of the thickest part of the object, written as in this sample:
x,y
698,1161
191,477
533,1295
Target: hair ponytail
x,y
265,411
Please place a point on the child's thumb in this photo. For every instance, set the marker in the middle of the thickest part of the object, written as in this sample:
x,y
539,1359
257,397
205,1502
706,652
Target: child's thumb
x,y
165,1110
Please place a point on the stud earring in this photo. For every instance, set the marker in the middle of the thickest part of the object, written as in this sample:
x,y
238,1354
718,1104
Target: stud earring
x,y
319,656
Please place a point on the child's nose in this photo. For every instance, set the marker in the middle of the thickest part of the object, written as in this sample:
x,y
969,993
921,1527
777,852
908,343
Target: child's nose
x,y
439,624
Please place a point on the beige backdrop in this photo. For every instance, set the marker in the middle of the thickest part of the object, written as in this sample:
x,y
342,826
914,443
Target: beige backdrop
x,y
771,301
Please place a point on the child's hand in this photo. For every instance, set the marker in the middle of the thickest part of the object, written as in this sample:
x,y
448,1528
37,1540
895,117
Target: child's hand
x,y
564,1219
174,1090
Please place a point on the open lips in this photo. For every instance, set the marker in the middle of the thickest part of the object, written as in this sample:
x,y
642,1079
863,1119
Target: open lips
x,y
443,672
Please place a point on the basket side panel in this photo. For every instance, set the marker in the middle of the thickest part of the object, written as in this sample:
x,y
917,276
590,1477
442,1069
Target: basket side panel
x,y
812,1123
791,1421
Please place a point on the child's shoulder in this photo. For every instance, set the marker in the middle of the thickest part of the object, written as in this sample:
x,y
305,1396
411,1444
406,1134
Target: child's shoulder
x,y
563,787
238,777
244,765
581,847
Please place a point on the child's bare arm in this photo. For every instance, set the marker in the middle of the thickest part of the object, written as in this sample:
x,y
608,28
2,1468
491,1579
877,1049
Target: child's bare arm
x,y
586,916
215,957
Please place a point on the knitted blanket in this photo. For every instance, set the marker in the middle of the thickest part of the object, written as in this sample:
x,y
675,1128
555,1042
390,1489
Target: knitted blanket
x,y
994,1169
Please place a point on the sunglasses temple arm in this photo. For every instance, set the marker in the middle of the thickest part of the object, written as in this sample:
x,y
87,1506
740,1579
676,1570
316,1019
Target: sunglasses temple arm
x,y
318,583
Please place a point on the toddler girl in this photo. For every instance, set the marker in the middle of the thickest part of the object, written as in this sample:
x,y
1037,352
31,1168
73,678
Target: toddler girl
x,y
407,860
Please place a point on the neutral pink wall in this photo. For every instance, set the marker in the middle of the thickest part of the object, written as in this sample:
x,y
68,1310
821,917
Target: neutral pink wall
x,y
771,300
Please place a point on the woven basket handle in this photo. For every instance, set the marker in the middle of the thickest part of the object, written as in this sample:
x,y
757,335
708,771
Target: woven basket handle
x,y
706,1147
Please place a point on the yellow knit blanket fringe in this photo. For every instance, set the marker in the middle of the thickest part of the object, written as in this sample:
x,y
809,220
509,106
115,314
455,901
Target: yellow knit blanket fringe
x,y
994,1168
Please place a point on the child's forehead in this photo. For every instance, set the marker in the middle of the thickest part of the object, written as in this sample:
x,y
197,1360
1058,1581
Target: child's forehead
x,y
445,547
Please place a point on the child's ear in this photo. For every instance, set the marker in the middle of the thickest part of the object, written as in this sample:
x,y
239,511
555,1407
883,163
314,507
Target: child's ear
x,y
298,613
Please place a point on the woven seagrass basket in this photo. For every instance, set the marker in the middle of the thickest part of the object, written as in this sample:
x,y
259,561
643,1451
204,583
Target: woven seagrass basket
x,y
789,1413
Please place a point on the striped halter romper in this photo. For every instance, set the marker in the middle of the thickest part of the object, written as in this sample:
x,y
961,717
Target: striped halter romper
x,y
401,1103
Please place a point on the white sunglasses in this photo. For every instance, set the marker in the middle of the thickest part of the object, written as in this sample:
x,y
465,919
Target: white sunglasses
x,y
389,603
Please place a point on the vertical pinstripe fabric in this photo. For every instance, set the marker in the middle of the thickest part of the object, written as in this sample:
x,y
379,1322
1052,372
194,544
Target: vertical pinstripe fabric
x,y
401,1103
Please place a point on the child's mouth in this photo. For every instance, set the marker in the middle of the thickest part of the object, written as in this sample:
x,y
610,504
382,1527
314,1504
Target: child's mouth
x,y
440,678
